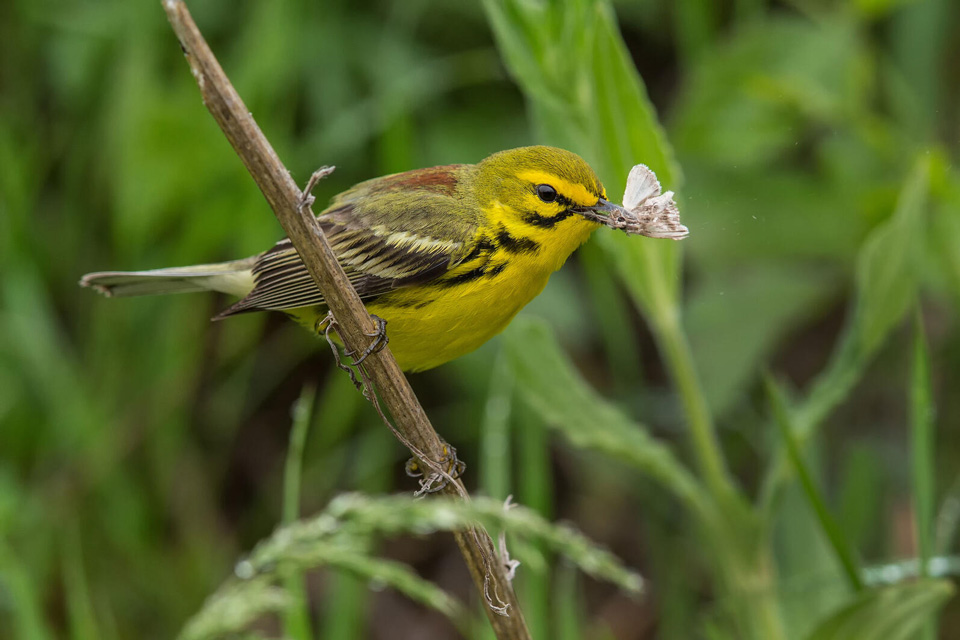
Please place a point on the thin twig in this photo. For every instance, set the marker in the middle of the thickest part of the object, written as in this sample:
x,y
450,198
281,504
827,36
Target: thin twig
x,y
354,323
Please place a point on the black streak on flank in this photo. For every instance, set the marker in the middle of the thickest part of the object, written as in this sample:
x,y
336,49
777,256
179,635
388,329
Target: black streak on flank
x,y
513,244
407,304
484,246
474,274
545,222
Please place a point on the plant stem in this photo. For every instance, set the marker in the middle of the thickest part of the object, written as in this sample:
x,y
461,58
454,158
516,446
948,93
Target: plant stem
x,y
745,567
706,445
296,618
355,325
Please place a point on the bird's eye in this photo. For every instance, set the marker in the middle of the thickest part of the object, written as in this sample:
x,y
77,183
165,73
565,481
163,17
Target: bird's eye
x,y
546,193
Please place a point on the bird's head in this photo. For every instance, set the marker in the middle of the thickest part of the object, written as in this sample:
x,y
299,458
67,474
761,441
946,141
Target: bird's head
x,y
543,187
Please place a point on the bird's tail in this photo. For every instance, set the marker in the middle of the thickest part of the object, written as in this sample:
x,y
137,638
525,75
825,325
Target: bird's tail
x,y
235,278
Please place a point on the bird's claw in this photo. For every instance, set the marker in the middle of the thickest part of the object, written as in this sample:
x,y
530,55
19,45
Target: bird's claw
x,y
328,325
380,341
452,467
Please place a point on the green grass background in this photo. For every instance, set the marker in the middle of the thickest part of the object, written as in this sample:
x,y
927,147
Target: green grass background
x,y
661,397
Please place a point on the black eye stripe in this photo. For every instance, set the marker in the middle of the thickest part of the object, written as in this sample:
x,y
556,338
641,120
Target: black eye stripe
x,y
546,222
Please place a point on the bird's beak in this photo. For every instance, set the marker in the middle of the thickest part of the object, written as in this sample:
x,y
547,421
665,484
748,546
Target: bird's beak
x,y
656,217
605,213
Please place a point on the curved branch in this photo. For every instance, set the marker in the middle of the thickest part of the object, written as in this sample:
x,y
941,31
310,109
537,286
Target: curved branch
x,y
355,324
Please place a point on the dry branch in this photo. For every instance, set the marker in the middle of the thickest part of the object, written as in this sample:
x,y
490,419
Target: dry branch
x,y
355,324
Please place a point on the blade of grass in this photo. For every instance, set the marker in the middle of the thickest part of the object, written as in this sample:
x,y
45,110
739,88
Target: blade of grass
x,y
837,540
80,612
568,620
22,591
921,444
948,519
922,455
495,449
535,484
302,411
296,617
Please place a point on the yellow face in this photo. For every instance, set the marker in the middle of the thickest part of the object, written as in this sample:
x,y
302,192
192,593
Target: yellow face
x,y
542,186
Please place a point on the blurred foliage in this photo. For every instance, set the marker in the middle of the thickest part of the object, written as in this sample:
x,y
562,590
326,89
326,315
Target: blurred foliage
x,y
813,146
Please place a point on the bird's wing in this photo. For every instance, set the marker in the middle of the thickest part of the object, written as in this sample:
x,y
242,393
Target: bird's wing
x,y
386,233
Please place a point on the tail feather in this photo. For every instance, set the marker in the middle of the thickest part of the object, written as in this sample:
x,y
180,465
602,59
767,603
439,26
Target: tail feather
x,y
235,278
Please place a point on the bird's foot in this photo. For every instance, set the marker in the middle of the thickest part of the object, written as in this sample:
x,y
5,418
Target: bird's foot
x,y
451,466
379,342
328,326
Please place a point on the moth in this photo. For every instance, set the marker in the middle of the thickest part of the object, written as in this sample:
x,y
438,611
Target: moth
x,y
646,211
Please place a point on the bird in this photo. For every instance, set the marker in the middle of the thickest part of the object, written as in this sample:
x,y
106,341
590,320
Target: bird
x,y
445,255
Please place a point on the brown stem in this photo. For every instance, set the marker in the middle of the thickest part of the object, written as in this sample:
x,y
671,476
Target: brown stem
x,y
354,322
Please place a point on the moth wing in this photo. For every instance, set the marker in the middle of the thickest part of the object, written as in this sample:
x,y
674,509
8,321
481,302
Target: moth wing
x,y
659,218
642,184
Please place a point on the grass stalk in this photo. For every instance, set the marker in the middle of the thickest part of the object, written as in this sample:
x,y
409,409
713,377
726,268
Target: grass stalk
x,y
355,326
703,435
536,492
495,442
922,456
838,541
296,617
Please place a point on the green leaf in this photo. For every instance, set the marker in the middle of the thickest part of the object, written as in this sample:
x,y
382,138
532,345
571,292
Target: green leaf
x,y
588,96
624,120
566,402
891,613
